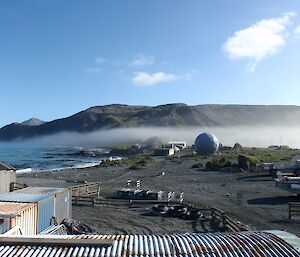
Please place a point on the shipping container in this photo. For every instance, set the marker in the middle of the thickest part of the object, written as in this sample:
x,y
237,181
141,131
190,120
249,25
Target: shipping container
x,y
6,178
63,200
22,215
45,205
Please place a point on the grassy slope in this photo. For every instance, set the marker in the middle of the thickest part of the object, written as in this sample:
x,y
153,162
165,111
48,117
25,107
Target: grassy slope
x,y
261,154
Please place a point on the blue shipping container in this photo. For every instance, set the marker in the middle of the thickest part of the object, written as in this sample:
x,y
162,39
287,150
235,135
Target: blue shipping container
x,y
45,203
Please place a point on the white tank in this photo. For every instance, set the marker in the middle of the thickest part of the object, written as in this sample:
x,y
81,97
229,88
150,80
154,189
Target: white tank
x,y
206,143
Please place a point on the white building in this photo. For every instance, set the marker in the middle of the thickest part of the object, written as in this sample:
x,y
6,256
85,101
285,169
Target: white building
x,y
7,176
179,144
164,151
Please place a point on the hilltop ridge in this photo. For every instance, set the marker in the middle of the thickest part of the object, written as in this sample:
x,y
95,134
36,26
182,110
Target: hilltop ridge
x,y
168,115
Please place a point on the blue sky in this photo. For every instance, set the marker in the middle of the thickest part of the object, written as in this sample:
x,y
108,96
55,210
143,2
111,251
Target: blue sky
x,y
58,57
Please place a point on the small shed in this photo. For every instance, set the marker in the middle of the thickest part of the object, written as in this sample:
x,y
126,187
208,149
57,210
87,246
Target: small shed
x,y
179,144
164,151
7,176
45,206
63,200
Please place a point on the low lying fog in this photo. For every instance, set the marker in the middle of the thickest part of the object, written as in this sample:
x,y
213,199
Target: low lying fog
x,y
246,136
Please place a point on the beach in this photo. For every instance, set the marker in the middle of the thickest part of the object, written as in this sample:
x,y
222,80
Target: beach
x,y
250,198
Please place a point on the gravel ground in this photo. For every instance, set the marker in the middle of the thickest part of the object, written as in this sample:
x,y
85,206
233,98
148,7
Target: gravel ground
x,y
251,198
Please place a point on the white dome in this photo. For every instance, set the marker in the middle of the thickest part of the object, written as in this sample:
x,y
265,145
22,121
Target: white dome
x,y
206,143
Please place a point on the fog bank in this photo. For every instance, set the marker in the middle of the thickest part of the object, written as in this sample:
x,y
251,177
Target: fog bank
x,y
247,136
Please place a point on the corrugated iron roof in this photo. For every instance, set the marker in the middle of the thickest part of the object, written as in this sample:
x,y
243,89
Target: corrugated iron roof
x,y
248,244
42,190
288,237
7,208
22,197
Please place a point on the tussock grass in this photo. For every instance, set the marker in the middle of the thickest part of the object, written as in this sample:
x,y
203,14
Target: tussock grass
x,y
133,161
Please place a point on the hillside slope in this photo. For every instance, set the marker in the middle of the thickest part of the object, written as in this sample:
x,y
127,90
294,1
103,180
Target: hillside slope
x,y
169,115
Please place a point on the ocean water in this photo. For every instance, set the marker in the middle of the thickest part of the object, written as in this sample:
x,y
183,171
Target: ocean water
x,y
27,158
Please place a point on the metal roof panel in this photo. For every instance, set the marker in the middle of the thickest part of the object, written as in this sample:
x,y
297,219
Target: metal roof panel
x,y
42,190
8,208
181,245
22,197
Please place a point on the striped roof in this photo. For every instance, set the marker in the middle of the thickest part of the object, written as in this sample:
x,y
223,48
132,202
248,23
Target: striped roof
x,y
257,244
7,208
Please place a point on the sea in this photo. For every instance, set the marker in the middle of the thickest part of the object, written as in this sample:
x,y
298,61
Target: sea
x,y
28,158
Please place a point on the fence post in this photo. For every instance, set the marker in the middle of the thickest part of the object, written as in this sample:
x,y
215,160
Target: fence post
x,y
224,221
212,214
98,194
138,183
181,197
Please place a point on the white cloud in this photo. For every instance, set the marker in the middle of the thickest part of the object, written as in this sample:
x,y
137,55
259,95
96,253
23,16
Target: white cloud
x,y
141,78
93,70
142,60
297,31
150,79
262,39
